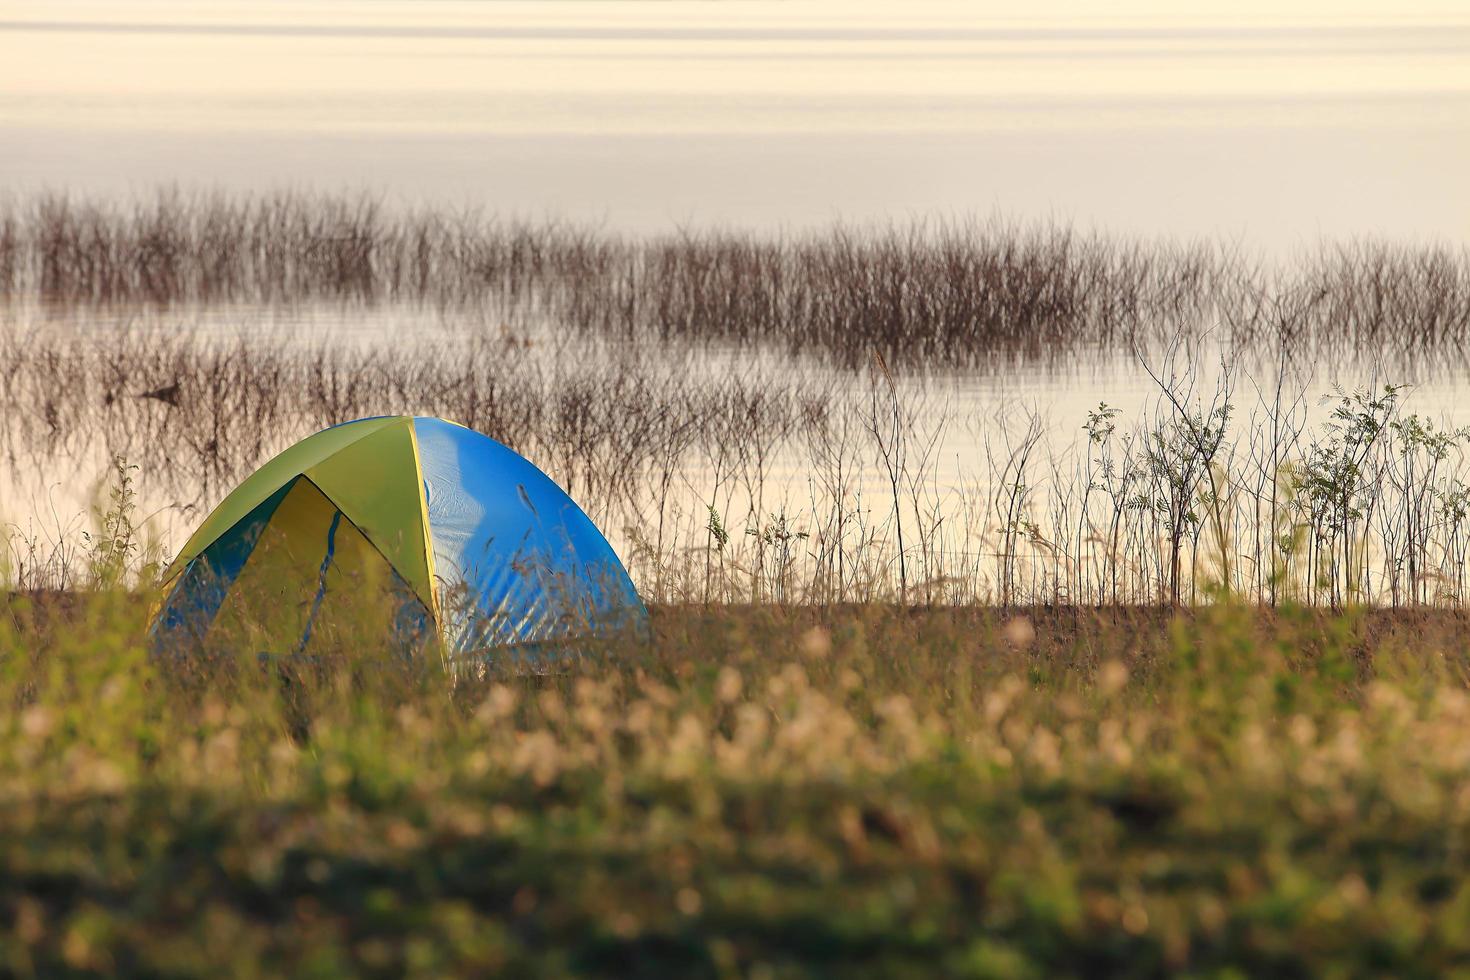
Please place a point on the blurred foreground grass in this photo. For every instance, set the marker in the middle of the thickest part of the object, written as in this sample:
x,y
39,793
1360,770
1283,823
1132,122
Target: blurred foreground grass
x,y
850,791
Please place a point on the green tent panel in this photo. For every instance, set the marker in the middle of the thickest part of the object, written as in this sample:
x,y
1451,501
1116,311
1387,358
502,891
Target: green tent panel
x,y
375,482
275,474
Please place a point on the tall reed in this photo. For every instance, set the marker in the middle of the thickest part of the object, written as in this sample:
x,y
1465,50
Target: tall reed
x,y
956,292
790,485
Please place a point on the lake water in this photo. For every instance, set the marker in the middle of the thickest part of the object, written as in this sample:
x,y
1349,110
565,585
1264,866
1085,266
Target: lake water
x,y
779,469
1273,126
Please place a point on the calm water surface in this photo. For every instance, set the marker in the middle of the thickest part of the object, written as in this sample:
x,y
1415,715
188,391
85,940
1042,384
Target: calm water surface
x,y
964,420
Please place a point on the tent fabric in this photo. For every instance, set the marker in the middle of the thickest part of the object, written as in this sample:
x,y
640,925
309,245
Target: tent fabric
x,y
528,557
369,481
196,595
269,478
400,527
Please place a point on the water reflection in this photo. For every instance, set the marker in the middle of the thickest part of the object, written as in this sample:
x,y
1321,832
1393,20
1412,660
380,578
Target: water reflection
x,y
725,471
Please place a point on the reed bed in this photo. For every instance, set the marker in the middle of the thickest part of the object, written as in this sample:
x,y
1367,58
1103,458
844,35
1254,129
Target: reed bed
x,y
952,293
666,384
722,484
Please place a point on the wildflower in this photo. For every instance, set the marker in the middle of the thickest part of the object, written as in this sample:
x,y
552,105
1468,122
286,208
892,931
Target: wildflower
x,y
37,722
1019,632
729,684
688,901
1112,677
498,704
816,642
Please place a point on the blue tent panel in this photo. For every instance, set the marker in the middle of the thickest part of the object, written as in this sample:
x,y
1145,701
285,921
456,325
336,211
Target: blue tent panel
x,y
195,599
528,564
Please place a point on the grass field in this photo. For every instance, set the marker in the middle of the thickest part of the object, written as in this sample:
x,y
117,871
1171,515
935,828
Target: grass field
x,y
851,790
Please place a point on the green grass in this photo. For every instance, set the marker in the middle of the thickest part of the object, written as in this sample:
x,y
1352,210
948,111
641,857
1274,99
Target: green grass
x,y
783,792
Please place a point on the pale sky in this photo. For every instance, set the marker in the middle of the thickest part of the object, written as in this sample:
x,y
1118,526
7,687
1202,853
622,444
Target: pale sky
x,y
1260,119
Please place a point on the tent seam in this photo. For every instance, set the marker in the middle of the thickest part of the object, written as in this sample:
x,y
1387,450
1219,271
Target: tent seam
x,y
302,472
371,543
418,468
177,580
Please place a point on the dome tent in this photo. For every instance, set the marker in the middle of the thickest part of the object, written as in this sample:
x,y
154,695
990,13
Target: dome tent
x,y
396,527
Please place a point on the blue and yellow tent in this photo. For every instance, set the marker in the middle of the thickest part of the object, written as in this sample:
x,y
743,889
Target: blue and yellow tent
x,y
416,529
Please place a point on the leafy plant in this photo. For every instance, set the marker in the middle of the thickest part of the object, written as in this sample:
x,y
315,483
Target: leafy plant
x,y
114,545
